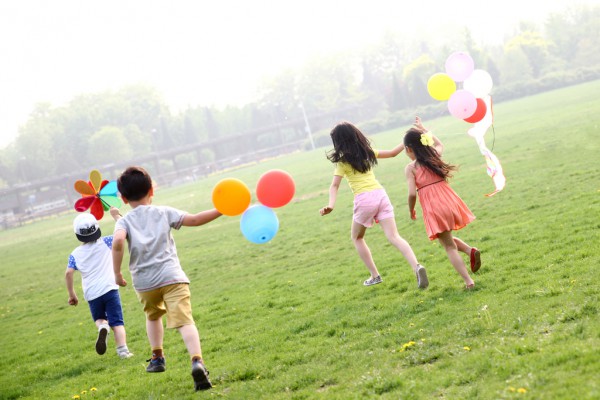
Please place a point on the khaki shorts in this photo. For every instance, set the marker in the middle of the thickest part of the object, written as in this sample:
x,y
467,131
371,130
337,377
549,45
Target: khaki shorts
x,y
173,300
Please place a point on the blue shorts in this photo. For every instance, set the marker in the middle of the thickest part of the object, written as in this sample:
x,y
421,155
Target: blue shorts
x,y
108,306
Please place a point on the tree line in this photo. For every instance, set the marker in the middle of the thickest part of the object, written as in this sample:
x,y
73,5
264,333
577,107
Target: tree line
x,y
388,80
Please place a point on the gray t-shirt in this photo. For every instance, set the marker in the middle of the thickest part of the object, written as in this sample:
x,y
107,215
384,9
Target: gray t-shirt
x,y
153,260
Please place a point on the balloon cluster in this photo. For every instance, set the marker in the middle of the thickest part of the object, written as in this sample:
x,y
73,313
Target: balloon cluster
x,y
259,223
466,103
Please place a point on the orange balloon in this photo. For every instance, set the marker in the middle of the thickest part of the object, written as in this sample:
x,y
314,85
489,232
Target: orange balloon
x,y
231,196
275,188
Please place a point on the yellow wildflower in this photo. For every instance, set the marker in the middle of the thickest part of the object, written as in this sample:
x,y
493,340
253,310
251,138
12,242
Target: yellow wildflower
x,y
521,390
467,348
93,389
76,397
407,345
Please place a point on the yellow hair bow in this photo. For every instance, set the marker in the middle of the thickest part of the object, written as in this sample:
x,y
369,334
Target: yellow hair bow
x,y
427,139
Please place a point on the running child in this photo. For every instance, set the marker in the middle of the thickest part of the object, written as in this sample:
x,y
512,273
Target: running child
x,y
354,160
443,210
93,259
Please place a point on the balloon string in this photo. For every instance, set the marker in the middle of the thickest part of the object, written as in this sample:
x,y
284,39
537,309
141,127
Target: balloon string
x,y
493,130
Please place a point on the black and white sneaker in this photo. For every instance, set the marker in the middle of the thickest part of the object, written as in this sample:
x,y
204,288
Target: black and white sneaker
x,y
102,339
373,281
200,375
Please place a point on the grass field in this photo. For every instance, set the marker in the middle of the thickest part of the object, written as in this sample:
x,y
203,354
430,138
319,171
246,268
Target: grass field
x,y
290,319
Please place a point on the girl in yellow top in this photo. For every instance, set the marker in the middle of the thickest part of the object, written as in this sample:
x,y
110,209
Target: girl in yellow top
x,y
354,159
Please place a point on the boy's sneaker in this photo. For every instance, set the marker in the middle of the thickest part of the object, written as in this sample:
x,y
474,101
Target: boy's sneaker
x,y
157,364
102,339
422,280
125,354
200,375
373,281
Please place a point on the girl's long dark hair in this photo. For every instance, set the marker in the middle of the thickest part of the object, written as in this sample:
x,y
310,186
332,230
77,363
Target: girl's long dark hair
x,y
352,147
427,156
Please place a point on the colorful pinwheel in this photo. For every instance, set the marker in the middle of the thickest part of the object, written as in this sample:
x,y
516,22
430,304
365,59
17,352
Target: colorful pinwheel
x,y
97,195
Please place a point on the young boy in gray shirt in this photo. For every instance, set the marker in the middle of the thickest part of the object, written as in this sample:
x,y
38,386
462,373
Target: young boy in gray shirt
x,y
159,281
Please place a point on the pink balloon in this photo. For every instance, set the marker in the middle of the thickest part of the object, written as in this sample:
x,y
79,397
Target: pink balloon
x,y
462,104
459,66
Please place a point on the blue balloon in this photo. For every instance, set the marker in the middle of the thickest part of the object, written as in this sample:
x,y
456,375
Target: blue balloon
x,y
259,224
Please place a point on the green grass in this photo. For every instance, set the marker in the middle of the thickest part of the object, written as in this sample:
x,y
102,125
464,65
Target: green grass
x,y
290,319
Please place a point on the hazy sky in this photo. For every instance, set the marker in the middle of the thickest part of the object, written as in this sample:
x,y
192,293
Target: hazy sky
x,y
206,51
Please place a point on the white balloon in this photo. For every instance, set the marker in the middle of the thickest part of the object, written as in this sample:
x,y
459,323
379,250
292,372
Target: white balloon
x,y
479,83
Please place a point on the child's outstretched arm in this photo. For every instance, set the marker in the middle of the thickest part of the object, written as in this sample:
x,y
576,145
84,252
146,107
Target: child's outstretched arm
x,y
201,218
118,248
391,153
73,300
333,190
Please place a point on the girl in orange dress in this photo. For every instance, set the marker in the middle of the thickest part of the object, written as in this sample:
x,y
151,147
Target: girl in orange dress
x,y
443,210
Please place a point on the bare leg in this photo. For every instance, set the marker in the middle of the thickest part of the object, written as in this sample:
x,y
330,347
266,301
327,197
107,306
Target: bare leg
x,y
462,246
391,233
100,322
120,336
155,332
358,233
191,338
456,260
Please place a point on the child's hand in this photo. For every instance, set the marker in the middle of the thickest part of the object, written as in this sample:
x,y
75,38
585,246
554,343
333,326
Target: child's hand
x,y
419,125
115,213
413,214
73,300
325,210
119,280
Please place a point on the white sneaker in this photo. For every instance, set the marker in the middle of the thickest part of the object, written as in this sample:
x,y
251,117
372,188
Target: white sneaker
x,y
422,280
125,354
373,281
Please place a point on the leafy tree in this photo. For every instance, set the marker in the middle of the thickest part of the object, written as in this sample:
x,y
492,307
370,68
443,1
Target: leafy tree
x,y
533,46
573,34
106,146
416,74
516,66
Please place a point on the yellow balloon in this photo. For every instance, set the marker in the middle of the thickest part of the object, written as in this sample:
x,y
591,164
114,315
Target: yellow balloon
x,y
231,196
440,86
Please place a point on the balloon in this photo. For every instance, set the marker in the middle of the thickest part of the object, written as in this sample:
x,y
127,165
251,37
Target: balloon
x,y
479,112
459,66
440,86
275,188
479,83
259,224
462,104
231,196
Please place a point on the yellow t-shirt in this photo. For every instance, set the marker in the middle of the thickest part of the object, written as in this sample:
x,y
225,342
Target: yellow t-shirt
x,y
358,182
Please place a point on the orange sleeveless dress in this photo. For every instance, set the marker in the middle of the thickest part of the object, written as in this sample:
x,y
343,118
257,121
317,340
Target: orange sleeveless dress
x,y
443,209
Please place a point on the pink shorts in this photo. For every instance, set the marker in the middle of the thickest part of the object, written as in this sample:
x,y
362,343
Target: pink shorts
x,y
371,206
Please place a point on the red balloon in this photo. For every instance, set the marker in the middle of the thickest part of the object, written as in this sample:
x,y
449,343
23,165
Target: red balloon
x,y
275,188
479,112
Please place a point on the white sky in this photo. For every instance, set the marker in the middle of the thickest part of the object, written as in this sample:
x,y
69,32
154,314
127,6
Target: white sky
x,y
205,51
